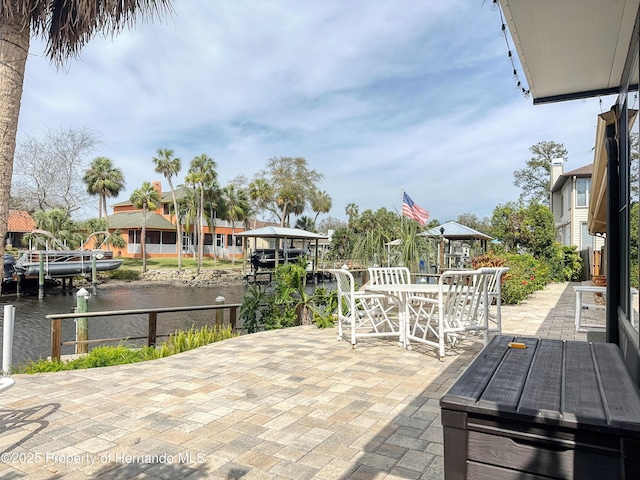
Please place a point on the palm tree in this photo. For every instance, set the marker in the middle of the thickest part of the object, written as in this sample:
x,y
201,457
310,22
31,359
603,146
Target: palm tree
x,y
147,198
212,209
188,209
352,212
201,175
169,166
66,25
320,203
260,192
237,208
104,180
305,223
57,226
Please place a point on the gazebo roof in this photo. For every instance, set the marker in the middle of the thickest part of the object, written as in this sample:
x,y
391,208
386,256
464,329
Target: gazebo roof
x,y
282,232
456,231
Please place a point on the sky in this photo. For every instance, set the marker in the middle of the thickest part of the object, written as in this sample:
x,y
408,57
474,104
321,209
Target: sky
x,y
380,97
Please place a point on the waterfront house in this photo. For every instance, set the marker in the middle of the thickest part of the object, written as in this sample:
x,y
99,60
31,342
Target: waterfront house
x,y
20,222
221,241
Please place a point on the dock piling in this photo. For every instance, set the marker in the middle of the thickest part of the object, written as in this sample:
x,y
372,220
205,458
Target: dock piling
x,y
82,323
219,313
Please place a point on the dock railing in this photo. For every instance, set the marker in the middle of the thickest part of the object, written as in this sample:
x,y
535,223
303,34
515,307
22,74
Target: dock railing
x,y
56,323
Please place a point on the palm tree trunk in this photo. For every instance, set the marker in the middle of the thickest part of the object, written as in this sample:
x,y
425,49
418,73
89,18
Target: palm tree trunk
x,y
14,49
201,230
143,239
233,242
178,227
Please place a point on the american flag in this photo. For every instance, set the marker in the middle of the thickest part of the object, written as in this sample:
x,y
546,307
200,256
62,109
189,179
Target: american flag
x,y
413,211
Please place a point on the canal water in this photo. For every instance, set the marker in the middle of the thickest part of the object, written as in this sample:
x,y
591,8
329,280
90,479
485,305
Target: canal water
x,y
32,331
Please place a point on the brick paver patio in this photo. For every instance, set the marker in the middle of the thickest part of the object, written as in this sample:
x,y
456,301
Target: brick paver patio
x,y
286,404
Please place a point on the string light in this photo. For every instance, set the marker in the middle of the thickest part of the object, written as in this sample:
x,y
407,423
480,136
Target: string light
x,y
510,55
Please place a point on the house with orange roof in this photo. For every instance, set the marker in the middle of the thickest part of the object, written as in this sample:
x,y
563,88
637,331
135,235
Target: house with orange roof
x,y
20,222
160,231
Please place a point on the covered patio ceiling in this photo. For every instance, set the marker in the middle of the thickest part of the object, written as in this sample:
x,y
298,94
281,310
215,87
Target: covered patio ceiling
x,y
574,49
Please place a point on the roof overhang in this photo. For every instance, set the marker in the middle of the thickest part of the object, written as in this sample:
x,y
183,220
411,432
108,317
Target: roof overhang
x,y
570,50
597,219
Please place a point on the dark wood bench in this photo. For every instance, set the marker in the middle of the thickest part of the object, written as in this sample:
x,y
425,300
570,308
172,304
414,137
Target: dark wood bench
x,y
555,409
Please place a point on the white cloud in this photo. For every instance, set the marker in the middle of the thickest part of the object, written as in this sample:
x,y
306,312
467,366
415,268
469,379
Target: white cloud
x,y
378,96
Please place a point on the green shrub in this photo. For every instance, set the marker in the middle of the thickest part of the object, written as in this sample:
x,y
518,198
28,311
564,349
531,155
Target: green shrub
x,y
289,304
573,264
564,263
525,276
325,305
252,308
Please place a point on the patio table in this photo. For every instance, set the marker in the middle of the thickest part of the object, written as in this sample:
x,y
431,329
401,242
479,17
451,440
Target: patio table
x,y
403,293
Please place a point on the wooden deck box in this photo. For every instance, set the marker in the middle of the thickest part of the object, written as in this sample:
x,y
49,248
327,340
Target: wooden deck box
x,y
555,409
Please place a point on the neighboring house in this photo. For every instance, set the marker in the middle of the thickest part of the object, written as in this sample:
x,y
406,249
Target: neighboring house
x,y
161,232
570,195
20,222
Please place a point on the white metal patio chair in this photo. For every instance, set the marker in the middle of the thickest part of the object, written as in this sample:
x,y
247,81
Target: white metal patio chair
x,y
362,314
459,311
494,285
390,276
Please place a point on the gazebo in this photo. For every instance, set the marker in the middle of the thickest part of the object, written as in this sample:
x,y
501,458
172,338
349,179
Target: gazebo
x,y
282,239
457,252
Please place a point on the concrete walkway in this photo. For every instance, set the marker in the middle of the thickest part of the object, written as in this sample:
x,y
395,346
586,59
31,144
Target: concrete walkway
x,y
286,404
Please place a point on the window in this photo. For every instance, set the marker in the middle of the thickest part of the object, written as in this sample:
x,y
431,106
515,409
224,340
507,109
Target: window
x,y
583,190
169,238
134,236
153,237
586,239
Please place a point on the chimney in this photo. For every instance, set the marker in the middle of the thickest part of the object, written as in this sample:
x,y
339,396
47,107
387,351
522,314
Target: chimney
x,y
157,186
557,169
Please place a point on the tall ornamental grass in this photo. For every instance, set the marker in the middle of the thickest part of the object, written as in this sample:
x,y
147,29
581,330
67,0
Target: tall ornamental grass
x,y
110,355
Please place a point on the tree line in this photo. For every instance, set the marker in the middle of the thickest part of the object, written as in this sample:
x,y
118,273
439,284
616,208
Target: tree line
x,y
51,175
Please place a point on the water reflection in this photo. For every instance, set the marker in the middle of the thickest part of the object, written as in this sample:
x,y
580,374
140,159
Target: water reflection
x,y
32,331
